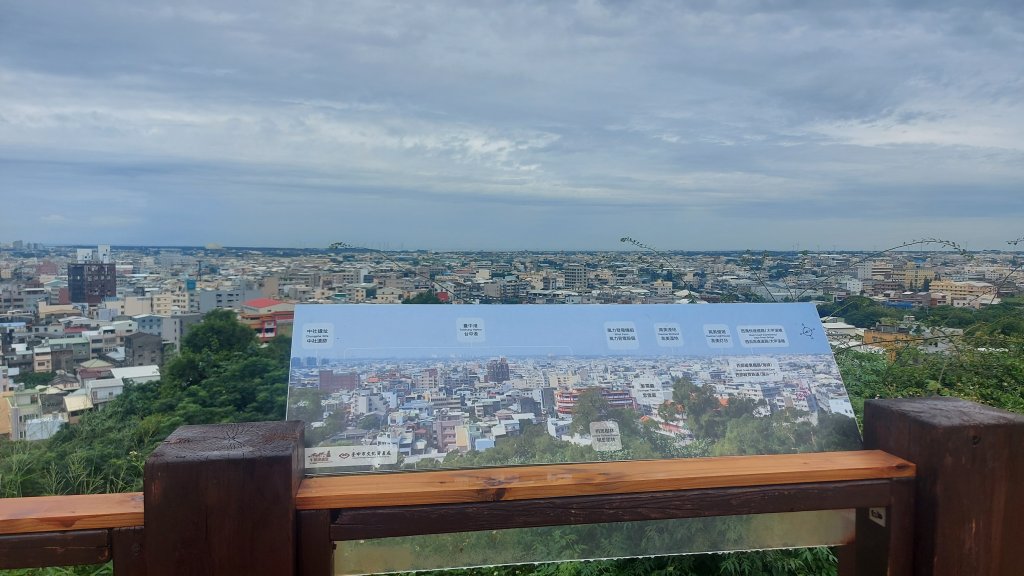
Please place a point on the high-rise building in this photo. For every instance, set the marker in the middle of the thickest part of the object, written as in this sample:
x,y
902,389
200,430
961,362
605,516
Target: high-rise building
x,y
98,255
93,278
497,370
915,277
575,276
90,283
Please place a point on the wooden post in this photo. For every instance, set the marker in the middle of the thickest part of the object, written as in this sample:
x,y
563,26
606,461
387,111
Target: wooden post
x,y
126,551
316,550
884,545
220,499
969,492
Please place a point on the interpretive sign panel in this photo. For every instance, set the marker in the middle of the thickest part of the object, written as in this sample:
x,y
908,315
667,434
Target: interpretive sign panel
x,y
389,387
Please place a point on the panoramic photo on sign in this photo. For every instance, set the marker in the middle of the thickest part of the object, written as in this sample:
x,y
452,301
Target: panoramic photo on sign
x,y
397,387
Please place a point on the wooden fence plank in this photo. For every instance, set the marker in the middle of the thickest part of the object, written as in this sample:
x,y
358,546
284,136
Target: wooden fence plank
x,y
561,480
384,522
57,513
54,549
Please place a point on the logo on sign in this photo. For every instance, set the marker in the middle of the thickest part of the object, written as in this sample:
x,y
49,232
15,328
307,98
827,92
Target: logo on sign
x,y
320,457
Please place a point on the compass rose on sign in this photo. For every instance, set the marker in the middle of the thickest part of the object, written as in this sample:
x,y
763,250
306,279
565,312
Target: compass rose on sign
x,y
807,331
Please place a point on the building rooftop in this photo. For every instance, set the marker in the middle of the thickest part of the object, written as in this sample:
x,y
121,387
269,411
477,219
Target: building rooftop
x,y
136,372
262,303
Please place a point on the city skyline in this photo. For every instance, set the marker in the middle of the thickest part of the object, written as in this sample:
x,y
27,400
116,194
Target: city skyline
x,y
512,127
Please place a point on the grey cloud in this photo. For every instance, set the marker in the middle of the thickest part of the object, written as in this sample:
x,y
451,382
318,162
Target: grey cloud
x,y
543,111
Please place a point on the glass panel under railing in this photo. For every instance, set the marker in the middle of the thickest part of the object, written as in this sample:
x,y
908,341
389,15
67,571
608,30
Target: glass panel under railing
x,y
595,541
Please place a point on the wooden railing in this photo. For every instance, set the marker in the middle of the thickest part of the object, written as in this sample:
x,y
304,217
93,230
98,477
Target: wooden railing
x,y
70,530
942,481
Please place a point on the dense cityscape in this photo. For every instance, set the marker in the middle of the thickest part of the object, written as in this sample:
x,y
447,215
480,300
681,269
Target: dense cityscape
x,y
411,411
95,319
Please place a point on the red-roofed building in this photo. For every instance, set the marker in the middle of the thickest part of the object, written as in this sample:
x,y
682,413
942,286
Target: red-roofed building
x,y
268,317
266,305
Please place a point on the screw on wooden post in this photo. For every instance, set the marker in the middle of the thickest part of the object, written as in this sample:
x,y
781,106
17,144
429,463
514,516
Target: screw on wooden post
x,y
968,500
220,499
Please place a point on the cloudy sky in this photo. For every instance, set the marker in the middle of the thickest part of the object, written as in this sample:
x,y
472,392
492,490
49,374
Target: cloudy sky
x,y
512,125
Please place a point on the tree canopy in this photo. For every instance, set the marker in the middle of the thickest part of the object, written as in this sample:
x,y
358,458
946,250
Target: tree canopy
x,y
427,297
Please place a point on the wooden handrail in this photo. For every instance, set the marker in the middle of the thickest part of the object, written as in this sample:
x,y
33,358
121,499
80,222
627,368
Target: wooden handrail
x,y
562,480
63,513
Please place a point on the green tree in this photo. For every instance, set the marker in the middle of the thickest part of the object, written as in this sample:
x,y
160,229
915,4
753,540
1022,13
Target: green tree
x,y
860,311
428,297
371,422
669,411
591,406
706,415
683,389
219,333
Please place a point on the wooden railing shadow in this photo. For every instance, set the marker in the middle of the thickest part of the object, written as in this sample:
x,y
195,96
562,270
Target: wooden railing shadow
x,y
939,489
